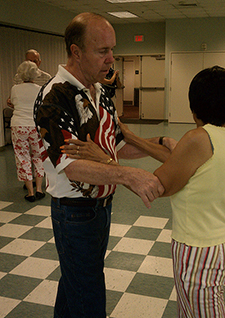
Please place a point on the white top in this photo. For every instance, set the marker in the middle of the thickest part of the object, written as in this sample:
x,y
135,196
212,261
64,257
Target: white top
x,y
23,97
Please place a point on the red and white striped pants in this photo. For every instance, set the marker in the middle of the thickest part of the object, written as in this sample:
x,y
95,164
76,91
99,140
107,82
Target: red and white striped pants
x,y
199,279
26,148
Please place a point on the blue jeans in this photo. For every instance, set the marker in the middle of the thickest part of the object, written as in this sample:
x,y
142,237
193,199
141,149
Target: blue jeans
x,y
81,237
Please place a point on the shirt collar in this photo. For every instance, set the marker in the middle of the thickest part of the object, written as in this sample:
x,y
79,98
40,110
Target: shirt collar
x,y
72,80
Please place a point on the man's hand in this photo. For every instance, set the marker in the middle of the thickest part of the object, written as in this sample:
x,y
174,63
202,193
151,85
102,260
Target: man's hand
x,y
9,103
145,185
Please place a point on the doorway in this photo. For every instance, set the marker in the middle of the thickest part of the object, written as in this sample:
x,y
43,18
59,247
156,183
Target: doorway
x,y
129,72
144,79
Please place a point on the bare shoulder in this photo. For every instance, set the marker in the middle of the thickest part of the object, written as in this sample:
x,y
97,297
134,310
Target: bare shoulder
x,y
196,135
198,141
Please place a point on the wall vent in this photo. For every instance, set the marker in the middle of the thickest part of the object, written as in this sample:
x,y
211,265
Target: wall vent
x,y
187,5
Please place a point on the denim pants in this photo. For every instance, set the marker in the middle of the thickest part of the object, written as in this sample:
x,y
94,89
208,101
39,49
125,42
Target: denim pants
x,y
81,238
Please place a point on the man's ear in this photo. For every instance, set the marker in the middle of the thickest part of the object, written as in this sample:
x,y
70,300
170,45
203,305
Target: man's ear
x,y
75,50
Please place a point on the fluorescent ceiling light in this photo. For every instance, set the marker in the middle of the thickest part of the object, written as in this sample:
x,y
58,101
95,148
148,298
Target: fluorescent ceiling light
x,y
125,1
122,15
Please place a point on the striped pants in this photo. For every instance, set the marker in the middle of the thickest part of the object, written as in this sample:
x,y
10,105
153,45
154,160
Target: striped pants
x,y
199,275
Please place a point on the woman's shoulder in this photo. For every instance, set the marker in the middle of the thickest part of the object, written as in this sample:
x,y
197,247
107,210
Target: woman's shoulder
x,y
196,136
197,141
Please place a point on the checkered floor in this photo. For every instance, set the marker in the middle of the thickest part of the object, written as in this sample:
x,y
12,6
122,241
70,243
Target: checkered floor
x,y
138,265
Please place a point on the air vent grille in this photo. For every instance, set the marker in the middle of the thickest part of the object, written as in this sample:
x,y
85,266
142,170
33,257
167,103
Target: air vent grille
x,y
190,5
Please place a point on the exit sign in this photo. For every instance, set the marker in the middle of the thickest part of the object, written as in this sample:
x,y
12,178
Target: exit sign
x,y
139,38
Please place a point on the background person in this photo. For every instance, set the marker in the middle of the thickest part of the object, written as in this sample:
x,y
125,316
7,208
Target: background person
x,y
112,82
25,138
42,78
73,105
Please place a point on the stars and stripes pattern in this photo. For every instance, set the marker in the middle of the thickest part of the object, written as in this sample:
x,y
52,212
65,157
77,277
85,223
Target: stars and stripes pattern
x,y
105,138
65,118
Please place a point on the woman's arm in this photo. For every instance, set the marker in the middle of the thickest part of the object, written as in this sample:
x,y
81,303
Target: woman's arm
x,y
136,147
150,146
77,149
191,152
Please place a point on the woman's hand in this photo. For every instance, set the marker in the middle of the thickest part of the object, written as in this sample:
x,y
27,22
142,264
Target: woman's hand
x,y
126,131
88,150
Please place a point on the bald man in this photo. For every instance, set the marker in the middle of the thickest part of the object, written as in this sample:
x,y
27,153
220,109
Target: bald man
x,y
34,56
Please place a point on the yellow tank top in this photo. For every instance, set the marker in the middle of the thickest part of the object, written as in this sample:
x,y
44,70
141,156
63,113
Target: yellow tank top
x,y
199,208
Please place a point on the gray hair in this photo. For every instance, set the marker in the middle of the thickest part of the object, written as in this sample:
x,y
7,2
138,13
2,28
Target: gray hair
x,y
28,71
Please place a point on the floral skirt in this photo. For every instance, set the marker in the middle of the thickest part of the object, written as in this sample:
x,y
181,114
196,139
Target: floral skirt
x,y
27,152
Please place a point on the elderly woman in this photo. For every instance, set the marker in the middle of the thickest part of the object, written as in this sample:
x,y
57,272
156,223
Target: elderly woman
x,y
25,138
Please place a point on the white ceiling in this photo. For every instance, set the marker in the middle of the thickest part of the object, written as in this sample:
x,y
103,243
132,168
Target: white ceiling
x,y
147,11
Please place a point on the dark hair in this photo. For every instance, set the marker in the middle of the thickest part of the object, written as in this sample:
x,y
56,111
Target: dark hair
x,y
207,95
76,30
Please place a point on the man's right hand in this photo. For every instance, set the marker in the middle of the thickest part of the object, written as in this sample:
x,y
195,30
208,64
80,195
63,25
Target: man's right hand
x,y
145,185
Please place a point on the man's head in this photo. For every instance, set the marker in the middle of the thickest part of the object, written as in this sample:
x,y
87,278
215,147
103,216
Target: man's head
x,y
90,40
207,96
33,56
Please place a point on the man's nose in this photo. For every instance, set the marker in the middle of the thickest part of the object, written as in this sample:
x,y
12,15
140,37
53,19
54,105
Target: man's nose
x,y
110,59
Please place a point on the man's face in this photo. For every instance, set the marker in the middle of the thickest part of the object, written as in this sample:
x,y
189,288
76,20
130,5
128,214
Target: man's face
x,y
97,56
34,57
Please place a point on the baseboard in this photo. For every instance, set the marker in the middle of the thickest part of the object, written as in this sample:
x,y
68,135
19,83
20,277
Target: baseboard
x,y
141,121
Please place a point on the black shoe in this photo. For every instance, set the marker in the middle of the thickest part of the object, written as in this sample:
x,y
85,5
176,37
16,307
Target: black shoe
x,y
30,198
25,188
40,195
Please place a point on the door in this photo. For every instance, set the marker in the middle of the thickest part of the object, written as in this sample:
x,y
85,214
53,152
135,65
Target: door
x,y
211,59
152,87
129,72
118,65
184,66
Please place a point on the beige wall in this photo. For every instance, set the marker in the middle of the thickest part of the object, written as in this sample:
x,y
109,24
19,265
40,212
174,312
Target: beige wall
x,y
187,35
35,15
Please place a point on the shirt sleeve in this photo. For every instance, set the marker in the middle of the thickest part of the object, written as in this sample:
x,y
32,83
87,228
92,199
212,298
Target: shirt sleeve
x,y
53,131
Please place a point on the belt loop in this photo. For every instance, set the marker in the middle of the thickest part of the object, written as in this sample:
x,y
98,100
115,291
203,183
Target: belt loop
x,y
102,202
105,202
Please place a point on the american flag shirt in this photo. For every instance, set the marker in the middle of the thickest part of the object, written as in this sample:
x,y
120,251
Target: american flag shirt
x,y
64,109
